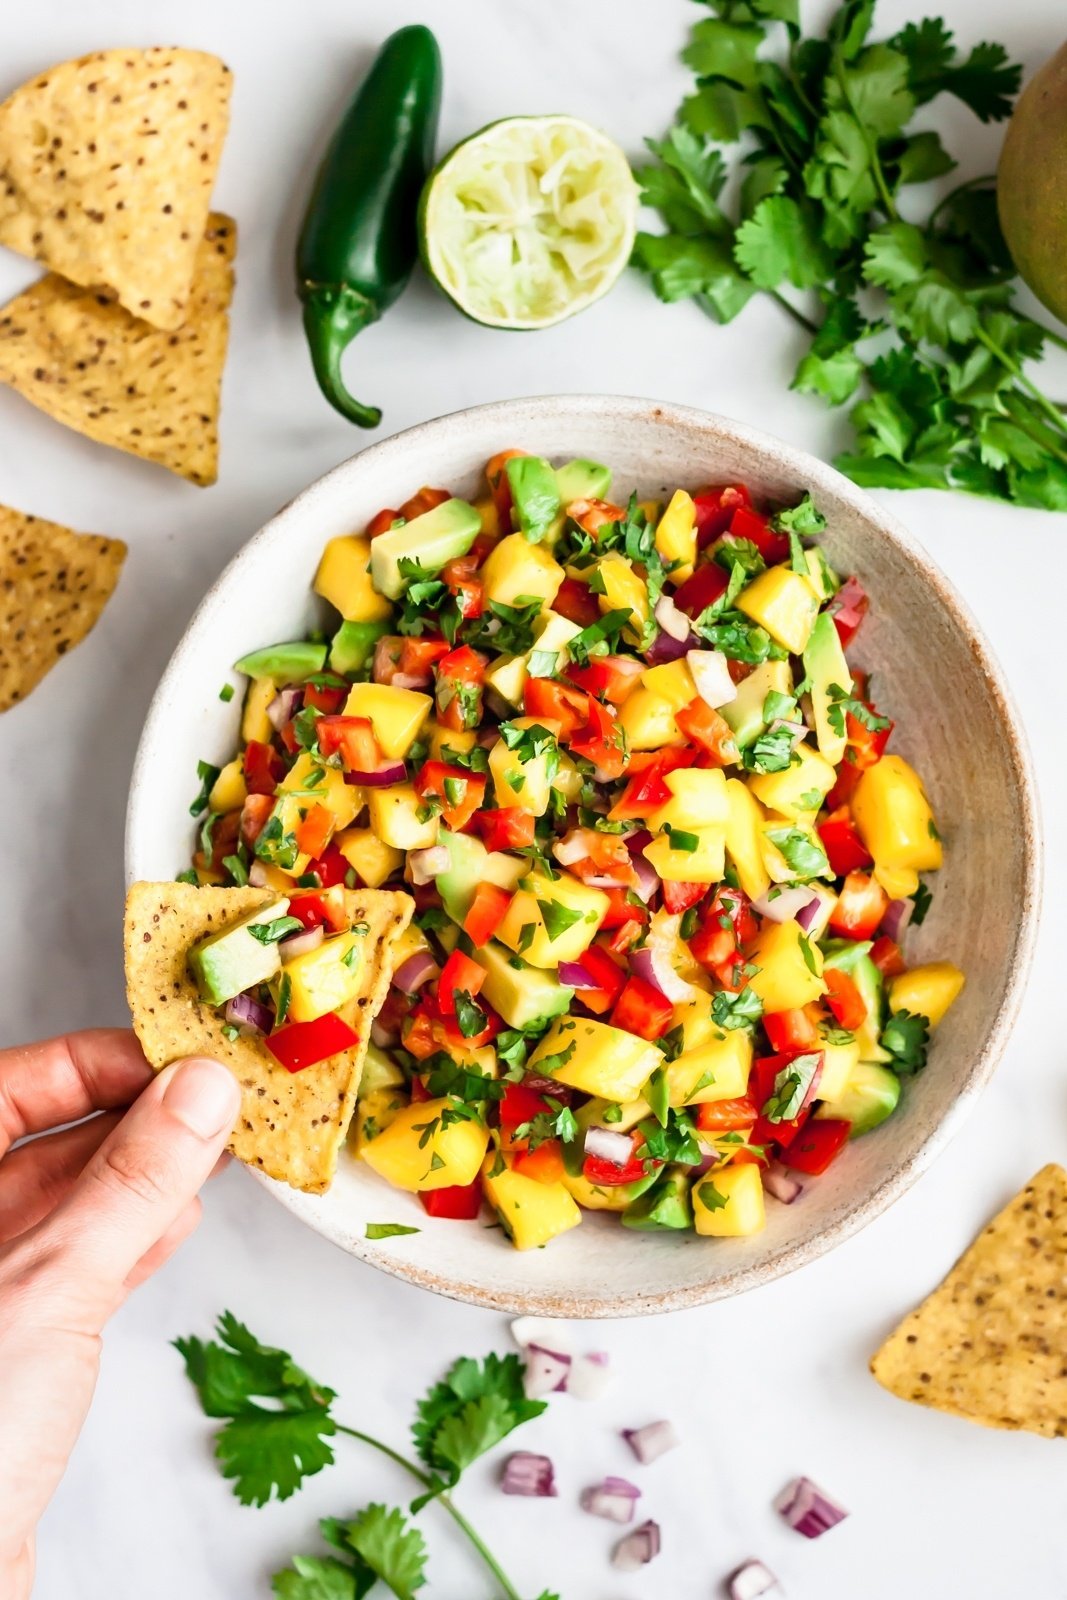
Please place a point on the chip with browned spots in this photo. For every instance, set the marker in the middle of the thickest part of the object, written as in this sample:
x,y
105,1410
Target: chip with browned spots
x,y
107,165
291,1124
54,584
91,365
990,1344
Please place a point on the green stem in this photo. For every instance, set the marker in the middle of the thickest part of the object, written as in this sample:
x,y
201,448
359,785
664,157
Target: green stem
x,y
1042,400
510,1592
961,188
872,149
798,316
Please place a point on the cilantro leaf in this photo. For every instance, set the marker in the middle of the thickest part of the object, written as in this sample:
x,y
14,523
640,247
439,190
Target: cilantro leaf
x,y
921,900
791,1088
387,1230
322,1578
781,243
207,775
274,931
907,1038
469,1411
711,1199
393,1550
557,917
801,852
732,1011
843,704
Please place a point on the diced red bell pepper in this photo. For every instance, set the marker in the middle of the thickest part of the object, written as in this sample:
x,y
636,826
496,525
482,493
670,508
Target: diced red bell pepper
x,y
510,828
625,936
254,813
423,500
708,729
331,867
263,767
460,1201
726,1116
320,908
887,957
387,658
487,911
866,744
606,972
459,791
288,736
610,677
715,509
642,1010
845,850
353,739
844,999
706,585
748,524
459,575
621,910
601,740
592,515
381,522
520,1104
326,698
711,945
418,657
680,896
606,1175
314,831
733,905
790,1031
303,1044
848,609
646,791
557,702
860,907
848,776
544,1164
817,1145
499,487
765,1070
459,973
459,692
419,1091
577,602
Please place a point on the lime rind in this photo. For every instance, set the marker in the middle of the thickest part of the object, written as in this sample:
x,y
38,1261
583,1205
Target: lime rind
x,y
529,221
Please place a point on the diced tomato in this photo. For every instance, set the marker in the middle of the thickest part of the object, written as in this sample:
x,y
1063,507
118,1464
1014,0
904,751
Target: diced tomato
x,y
313,833
817,1145
459,790
387,658
715,509
418,657
711,945
353,739
626,935
866,744
706,585
790,1031
844,999
331,867
845,850
608,976
326,697
600,741
320,908
459,974
520,1104
419,1091
607,1175
459,688
592,515
735,906
510,828
544,697
848,609
680,896
419,1036
642,1010
381,522
462,1202
707,728
499,487
621,910
487,911
860,907
646,790
577,602
848,776
423,500
611,677
303,1044
263,768
748,524
544,1164
254,813
459,576
287,735
764,1072
726,1116
887,957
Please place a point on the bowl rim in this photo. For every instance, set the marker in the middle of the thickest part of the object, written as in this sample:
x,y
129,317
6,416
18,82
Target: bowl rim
x,y
818,475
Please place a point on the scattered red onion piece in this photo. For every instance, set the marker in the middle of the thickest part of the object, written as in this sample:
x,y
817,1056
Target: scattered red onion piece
x,y
897,917
638,1548
426,864
647,878
389,772
550,1333
613,1499
245,1012
711,674
298,944
545,1372
525,1473
415,971
799,730
750,1581
384,1038
808,915
653,960
786,905
807,1509
408,680
608,1145
636,841
670,619
777,1181
589,1377
257,875
651,1441
665,647
575,976
283,707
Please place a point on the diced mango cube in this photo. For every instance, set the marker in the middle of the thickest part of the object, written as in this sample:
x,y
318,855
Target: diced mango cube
x,y
786,959
229,792
326,978
563,914
672,681
728,1202
515,568
838,1061
427,1146
676,535
648,721
394,817
309,783
706,863
928,990
371,858
518,781
796,791
396,715
599,1059
441,740
532,1212
344,580
893,817
621,588
255,723
744,839
700,800
784,603
717,1069
374,1113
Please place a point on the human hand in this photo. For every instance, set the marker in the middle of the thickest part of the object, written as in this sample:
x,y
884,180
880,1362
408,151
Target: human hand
x,y
86,1214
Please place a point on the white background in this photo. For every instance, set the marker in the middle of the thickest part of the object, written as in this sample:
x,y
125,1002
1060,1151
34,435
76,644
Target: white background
x,y
760,1388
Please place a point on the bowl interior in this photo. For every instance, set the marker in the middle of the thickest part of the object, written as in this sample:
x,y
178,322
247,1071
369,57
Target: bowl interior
x,y
934,675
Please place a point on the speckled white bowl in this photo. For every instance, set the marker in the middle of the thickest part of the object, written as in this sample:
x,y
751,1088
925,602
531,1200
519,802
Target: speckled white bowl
x,y
955,720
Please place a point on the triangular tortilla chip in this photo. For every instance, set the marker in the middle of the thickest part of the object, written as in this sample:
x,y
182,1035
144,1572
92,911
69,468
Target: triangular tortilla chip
x,y
106,170
991,1343
291,1124
89,364
53,586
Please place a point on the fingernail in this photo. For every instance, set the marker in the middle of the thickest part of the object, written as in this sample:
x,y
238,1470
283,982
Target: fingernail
x,y
203,1095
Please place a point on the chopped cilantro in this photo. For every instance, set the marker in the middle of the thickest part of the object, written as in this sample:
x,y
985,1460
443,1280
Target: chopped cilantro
x,y
278,928
791,1087
237,870
801,852
387,1230
207,775
711,1199
188,875
922,900
470,1017
732,1011
907,1038
771,752
557,917
542,663
843,704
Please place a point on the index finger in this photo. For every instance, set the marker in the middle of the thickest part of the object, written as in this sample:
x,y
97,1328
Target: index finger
x,y
61,1080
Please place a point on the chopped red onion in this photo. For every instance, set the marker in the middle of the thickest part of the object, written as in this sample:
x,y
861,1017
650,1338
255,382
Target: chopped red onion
x,y
850,603
243,1011
652,961
575,976
647,879
665,647
651,1441
426,864
605,880
784,905
808,915
670,619
613,1499
780,1183
607,1145
574,846
638,1548
384,1038
545,1371
709,1157
589,1376
415,971
525,1473
751,1581
257,875
807,1509
382,777
711,674
408,680
299,944
898,916
548,1332
799,730
283,707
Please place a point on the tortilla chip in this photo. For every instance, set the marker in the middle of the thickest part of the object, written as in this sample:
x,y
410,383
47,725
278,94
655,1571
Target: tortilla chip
x,y
106,170
88,363
53,586
991,1343
291,1125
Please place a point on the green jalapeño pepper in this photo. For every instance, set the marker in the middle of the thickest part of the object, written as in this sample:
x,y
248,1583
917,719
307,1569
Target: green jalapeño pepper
x,y
358,242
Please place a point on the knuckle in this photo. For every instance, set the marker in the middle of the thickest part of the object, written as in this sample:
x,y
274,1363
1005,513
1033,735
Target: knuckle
x,y
148,1171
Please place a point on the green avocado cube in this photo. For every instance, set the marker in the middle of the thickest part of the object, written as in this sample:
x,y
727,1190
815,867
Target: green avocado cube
x,y
522,995
285,663
443,534
227,963
353,645
665,1205
535,495
870,1096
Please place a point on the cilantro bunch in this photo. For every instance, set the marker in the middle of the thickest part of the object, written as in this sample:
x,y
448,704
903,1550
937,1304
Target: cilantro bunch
x,y
911,321
278,1429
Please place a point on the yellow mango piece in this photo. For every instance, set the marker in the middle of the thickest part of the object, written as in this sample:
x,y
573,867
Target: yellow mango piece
x,y
784,603
785,981
728,1202
396,715
575,913
520,782
744,839
532,1212
676,534
928,990
255,723
423,1148
797,791
694,1018
774,861
597,1197
229,791
374,1113
604,1061
393,814
718,1069
274,878
898,882
515,568
838,1061
344,580
705,864
700,800
325,979
488,515
672,681
508,676
893,817
309,783
623,590
568,779
370,857
648,721
444,739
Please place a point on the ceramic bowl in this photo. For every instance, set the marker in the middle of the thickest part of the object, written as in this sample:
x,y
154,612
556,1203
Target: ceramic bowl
x,y
955,721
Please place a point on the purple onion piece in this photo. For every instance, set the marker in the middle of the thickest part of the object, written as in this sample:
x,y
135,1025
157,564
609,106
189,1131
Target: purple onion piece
x,y
298,944
544,1372
415,971
428,863
527,1474
636,841
651,1441
664,648
606,1144
808,915
614,1499
647,878
751,1581
284,706
379,777
807,1509
897,917
638,1548
384,1038
575,976
244,1011
787,904
671,620
781,1184
711,674
589,1376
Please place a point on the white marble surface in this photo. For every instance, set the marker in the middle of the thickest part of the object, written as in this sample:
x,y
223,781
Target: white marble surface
x,y
761,1388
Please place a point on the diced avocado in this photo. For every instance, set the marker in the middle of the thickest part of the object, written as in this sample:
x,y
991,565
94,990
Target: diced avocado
x,y
853,958
353,645
665,1205
472,864
535,495
380,1071
440,535
523,995
583,480
606,1197
870,1096
284,663
825,665
229,962
744,712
